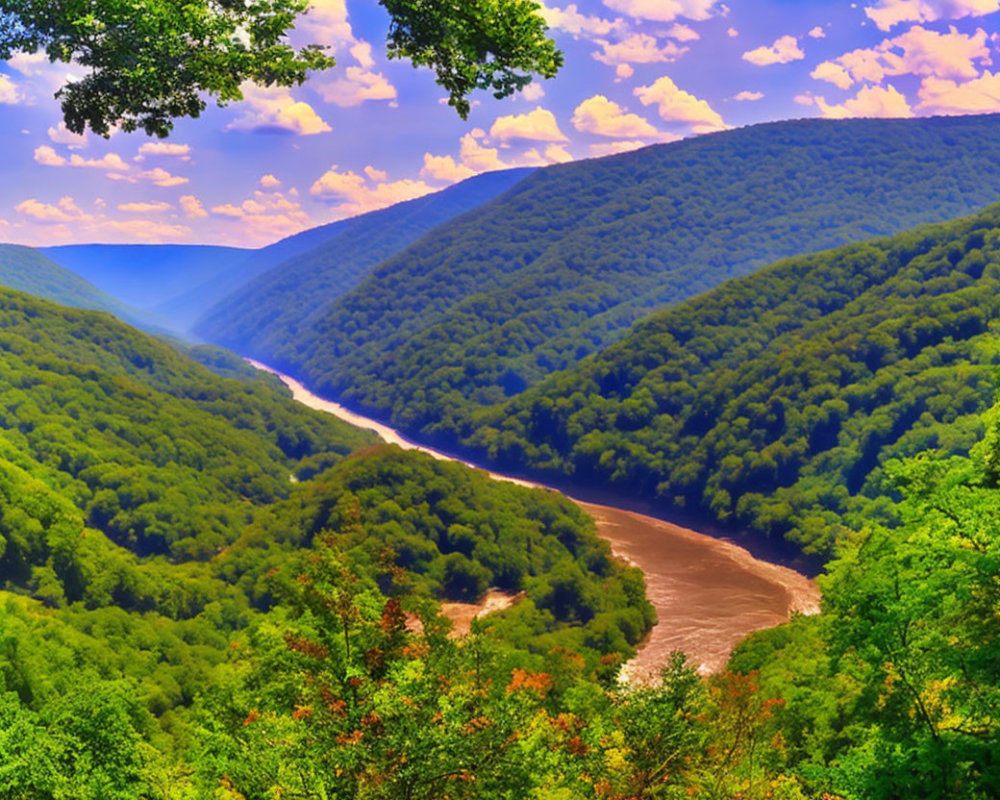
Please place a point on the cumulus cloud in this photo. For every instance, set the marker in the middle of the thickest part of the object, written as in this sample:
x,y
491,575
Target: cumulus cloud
x,y
676,105
269,181
111,161
532,92
274,110
638,48
477,156
351,194
65,210
603,117
889,13
444,168
264,217
156,206
817,33
9,94
60,134
358,85
538,126
664,10
191,207
571,21
919,51
784,50
160,177
682,32
182,151
48,157
748,96
941,96
870,101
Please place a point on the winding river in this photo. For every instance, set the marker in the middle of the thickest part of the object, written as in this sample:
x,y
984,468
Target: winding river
x,y
708,592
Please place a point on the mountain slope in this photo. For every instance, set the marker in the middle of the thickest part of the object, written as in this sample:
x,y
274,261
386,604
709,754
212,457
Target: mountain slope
x,y
286,299
492,302
29,270
772,401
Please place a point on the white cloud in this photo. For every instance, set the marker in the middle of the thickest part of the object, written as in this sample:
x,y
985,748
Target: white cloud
x,y
784,50
66,210
539,126
571,21
682,33
48,157
870,101
638,48
359,85
9,94
889,13
981,95
676,105
192,207
60,134
350,194
274,110
156,206
817,33
532,92
748,96
919,51
444,168
603,117
663,10
165,149
613,148
833,73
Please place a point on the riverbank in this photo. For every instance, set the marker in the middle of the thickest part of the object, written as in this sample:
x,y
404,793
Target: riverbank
x,y
708,592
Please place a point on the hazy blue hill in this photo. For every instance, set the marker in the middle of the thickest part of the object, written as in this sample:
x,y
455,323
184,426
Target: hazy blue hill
x,y
29,270
146,275
490,303
284,300
773,401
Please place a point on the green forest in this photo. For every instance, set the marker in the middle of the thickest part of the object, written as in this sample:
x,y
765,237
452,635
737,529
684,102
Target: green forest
x,y
286,640
772,402
563,263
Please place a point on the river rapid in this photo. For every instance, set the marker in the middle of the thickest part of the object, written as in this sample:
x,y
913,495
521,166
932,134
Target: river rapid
x,y
708,592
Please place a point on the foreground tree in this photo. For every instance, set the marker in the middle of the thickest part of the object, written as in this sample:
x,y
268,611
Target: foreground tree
x,y
152,61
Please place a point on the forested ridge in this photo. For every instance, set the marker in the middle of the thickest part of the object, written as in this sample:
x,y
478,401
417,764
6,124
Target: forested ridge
x,y
273,307
772,401
483,307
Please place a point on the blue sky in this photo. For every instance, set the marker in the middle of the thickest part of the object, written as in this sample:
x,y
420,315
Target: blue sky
x,y
371,132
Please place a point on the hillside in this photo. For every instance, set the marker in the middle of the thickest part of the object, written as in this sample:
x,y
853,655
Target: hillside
x,y
483,307
29,270
287,298
772,401
158,521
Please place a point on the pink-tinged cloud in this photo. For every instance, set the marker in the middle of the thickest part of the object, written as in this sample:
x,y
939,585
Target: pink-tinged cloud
x,y
746,96
889,13
48,157
784,50
351,194
665,10
141,207
274,110
870,101
444,168
570,20
191,207
356,87
676,105
538,125
269,181
66,210
682,33
111,161
817,33
978,96
613,148
834,73
165,149
9,94
638,48
60,134
603,117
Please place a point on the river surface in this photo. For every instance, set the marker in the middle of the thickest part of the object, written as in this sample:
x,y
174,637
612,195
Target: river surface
x,y
708,592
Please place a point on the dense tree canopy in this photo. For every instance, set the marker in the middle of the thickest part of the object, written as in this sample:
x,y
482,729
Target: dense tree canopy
x,y
149,63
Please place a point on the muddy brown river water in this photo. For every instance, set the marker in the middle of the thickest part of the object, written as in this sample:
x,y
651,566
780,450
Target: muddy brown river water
x,y
708,592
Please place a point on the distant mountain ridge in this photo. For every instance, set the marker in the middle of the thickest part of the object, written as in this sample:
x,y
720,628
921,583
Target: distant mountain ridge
x,y
560,265
289,296
29,270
